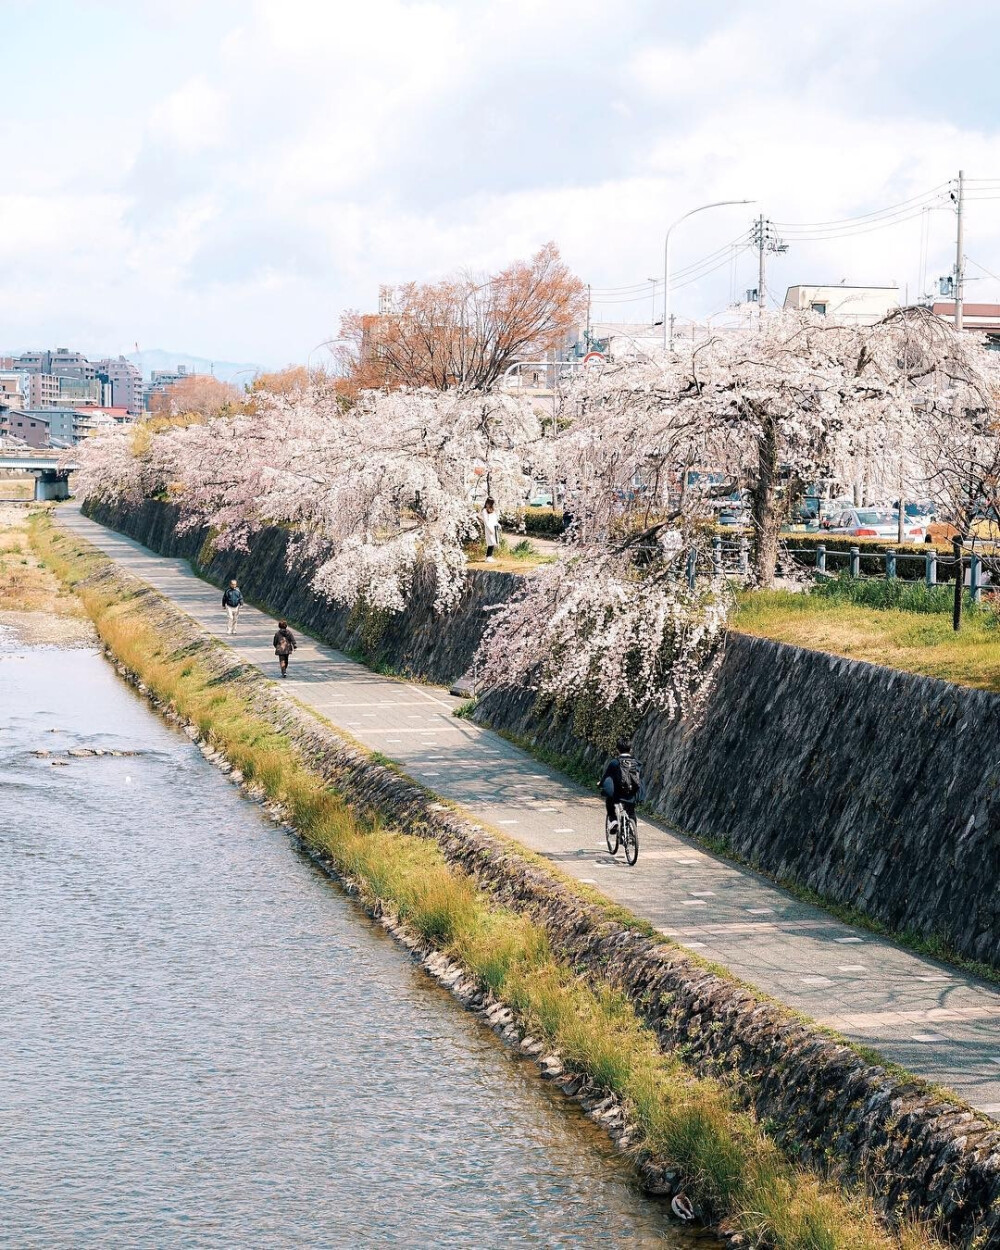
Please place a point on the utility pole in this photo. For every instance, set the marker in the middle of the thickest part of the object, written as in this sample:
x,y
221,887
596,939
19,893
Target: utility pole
x,y
587,335
765,239
956,612
959,251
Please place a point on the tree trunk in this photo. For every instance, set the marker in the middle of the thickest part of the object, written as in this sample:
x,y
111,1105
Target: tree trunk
x,y
765,512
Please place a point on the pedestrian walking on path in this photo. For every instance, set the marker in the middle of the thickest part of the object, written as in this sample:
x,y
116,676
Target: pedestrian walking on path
x,y
284,645
490,518
232,601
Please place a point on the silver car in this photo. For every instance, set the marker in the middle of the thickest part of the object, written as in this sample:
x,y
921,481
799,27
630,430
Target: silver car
x,y
873,523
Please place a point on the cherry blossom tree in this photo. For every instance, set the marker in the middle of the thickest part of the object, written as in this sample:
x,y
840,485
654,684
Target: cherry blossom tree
x,y
646,448
943,392
374,490
120,464
370,492
605,636
900,406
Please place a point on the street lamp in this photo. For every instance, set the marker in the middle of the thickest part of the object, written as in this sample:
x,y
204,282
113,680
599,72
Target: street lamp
x,y
668,339
652,296
469,290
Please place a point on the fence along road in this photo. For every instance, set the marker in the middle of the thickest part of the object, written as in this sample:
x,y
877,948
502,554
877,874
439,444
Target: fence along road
x,y
938,1022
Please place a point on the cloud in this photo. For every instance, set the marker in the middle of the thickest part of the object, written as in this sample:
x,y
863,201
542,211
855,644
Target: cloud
x,y
289,156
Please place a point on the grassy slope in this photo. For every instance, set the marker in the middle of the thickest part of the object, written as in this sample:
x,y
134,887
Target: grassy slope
x,y
917,642
734,1170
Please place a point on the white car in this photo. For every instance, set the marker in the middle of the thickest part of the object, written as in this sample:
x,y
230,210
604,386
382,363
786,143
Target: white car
x,y
873,523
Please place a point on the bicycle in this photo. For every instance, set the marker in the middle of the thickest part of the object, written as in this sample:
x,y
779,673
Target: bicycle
x,y
624,833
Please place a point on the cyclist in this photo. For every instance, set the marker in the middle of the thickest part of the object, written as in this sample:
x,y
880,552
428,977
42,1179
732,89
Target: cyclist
x,y
621,782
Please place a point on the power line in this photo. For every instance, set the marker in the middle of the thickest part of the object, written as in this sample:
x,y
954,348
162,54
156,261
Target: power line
x,y
642,290
846,232
989,272
860,217
676,286
819,231
703,272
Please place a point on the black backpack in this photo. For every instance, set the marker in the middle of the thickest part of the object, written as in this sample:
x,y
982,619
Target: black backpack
x,y
631,781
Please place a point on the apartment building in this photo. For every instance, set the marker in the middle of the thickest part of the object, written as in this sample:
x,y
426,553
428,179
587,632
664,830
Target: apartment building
x,y
13,389
60,379
31,427
850,305
125,380
161,380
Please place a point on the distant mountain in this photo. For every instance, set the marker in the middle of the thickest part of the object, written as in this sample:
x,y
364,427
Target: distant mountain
x,y
224,370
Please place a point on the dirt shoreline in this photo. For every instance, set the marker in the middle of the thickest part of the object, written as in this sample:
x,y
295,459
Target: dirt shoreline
x,y
34,607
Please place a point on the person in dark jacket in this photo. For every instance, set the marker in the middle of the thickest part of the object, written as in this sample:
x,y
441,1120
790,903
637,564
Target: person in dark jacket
x,y
620,781
284,645
232,601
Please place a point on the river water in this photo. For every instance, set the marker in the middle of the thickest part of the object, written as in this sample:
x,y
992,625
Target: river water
x,y
204,1043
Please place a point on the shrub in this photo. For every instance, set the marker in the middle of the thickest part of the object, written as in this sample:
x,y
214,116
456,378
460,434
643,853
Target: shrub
x,y
538,522
872,549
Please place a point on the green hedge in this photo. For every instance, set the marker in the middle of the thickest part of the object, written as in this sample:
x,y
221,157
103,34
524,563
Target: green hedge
x,y
538,522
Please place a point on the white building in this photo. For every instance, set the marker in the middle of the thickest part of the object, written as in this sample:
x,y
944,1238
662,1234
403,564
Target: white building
x,y
851,305
14,390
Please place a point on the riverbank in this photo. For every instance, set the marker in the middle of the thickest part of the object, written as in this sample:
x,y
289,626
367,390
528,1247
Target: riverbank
x,y
687,1005
207,1043
792,766
34,605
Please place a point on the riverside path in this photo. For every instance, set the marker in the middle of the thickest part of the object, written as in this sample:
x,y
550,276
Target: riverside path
x,y
935,1020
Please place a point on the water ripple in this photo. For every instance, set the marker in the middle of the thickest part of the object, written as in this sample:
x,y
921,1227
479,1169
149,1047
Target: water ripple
x,y
206,1045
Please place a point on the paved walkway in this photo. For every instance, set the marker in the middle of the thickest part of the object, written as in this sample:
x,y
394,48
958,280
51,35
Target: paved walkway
x,y
939,1023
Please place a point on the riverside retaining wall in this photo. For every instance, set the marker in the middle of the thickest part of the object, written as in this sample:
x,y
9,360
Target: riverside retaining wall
x,y
877,789
918,1153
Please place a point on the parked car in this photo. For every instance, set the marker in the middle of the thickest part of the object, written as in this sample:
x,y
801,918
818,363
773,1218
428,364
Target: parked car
x,y
918,512
873,523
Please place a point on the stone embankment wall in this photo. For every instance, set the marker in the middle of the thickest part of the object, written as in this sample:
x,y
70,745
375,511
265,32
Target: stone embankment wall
x,y
877,789
918,1153
419,642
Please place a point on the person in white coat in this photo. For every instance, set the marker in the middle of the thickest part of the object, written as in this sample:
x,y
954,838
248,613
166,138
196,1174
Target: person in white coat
x,y
490,518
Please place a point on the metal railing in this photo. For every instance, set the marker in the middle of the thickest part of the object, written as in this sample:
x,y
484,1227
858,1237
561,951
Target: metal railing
x,y
735,557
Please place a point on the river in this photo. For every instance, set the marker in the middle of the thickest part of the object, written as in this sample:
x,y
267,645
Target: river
x,y
205,1043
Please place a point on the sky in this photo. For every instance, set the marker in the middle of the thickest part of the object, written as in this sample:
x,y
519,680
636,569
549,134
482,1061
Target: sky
x,y
225,177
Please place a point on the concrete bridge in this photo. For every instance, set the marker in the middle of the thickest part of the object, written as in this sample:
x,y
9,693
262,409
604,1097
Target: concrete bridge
x,y
51,475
